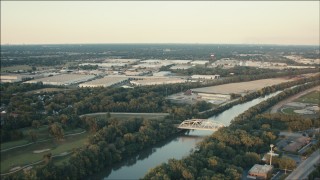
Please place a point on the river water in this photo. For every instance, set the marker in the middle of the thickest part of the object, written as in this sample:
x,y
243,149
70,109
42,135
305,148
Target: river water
x,y
177,147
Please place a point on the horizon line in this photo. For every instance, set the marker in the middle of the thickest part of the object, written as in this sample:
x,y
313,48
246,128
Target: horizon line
x,y
275,44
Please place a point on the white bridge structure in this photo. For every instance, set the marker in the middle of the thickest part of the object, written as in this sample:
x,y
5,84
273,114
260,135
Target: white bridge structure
x,y
200,124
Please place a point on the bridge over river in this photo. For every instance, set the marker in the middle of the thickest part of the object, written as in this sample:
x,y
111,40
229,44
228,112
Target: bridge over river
x,y
200,124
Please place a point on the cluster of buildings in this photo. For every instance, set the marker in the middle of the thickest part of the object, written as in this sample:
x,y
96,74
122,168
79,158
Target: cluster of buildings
x,y
112,72
134,72
63,79
230,63
302,60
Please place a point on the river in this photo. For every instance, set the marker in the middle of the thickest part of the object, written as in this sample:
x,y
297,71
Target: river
x,y
176,147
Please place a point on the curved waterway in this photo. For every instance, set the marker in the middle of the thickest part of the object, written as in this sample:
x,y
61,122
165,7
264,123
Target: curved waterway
x,y
175,147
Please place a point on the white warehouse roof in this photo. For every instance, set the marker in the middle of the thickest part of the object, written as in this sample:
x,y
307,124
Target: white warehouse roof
x,y
104,82
63,79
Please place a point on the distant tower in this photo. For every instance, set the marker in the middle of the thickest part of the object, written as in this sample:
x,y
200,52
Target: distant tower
x,y
212,57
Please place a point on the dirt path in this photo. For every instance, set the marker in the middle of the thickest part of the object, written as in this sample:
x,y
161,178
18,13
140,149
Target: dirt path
x,y
276,107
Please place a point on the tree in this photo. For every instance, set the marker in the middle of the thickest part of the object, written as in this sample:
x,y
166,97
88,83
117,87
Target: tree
x,y
33,136
47,157
287,163
64,119
35,124
56,130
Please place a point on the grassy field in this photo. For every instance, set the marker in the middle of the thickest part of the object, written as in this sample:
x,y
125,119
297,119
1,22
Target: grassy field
x,y
124,116
313,98
26,155
16,68
42,134
241,87
288,110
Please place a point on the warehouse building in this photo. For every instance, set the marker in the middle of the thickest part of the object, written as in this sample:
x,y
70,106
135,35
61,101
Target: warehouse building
x,y
105,82
199,62
205,77
162,73
180,62
11,78
180,67
156,81
63,79
105,65
119,61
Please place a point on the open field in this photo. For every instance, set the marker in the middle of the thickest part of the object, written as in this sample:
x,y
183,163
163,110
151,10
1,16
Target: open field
x,y
26,155
16,68
276,107
42,134
312,97
288,110
242,87
129,115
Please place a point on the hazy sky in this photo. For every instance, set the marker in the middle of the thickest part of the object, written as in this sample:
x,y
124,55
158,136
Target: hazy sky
x,y
216,22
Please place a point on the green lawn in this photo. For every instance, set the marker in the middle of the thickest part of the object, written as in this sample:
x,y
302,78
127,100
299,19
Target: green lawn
x,y
42,133
25,155
313,98
288,110
60,160
10,144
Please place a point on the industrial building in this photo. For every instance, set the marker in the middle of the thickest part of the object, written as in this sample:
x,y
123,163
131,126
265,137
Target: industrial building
x,y
156,81
180,67
199,62
105,65
162,73
121,61
180,62
105,82
135,73
152,64
227,63
10,78
215,98
63,79
260,172
205,76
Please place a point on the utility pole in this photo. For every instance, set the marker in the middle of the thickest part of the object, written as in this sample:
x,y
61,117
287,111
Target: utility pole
x,y
271,146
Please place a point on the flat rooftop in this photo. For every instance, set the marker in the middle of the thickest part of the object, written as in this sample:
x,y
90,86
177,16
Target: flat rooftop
x,y
63,79
260,169
157,80
104,82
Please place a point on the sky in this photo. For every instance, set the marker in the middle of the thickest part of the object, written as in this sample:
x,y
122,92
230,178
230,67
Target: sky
x,y
209,22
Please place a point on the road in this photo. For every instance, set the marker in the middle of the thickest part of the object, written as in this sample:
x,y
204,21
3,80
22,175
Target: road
x,y
306,167
276,107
